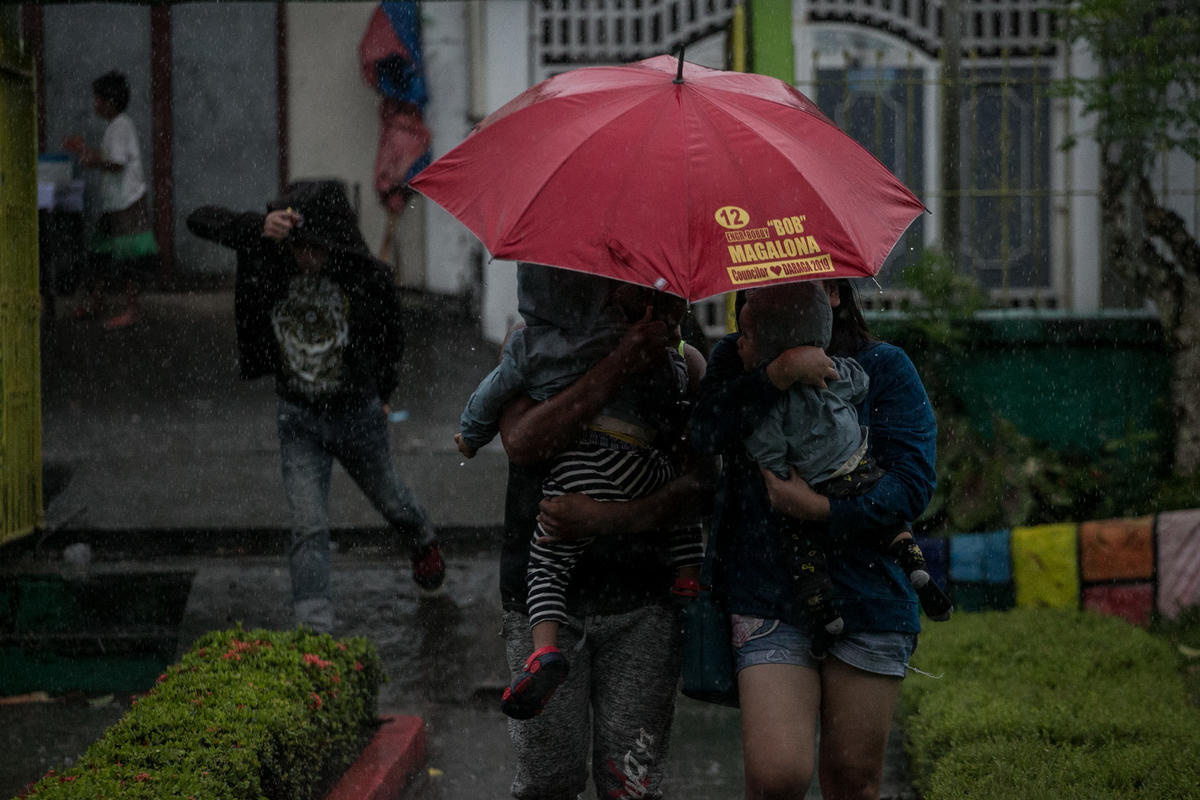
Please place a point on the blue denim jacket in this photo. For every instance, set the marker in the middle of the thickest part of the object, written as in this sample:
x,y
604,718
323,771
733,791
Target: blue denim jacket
x,y
872,592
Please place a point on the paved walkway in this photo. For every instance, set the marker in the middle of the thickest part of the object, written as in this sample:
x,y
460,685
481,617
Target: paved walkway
x,y
160,457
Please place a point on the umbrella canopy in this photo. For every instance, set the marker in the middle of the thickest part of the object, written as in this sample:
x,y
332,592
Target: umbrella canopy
x,y
667,174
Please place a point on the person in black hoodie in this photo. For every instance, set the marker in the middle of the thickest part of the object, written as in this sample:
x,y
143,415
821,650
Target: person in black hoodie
x,y
313,308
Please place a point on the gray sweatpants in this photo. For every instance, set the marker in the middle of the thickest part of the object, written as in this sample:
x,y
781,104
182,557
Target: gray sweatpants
x,y
626,674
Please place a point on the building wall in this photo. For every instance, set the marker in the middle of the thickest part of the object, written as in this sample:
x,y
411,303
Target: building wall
x,y
507,71
225,138
333,115
226,144
451,257
82,42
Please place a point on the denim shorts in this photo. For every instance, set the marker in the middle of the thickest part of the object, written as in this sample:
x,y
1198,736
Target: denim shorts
x,y
770,641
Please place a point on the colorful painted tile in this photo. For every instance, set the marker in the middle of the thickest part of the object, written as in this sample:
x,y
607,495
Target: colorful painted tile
x,y
981,596
1133,601
980,558
1116,550
1178,561
1045,570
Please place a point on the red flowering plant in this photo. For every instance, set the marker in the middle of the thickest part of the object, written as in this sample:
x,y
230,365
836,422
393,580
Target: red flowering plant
x,y
260,714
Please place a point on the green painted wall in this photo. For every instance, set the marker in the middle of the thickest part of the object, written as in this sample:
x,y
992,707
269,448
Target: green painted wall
x,y
1071,381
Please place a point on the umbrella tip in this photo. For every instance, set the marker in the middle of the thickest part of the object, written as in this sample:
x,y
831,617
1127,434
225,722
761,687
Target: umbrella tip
x,y
679,73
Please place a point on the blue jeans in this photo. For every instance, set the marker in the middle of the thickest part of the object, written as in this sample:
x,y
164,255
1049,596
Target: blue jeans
x,y
771,641
357,437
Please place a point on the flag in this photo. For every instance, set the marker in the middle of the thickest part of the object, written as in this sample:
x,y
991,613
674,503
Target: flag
x,y
390,57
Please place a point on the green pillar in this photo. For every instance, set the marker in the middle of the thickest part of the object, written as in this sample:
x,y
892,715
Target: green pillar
x,y
20,303
771,49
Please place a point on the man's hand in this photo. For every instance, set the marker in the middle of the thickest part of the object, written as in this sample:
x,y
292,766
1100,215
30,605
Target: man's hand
x,y
278,224
570,517
807,365
643,345
464,448
794,497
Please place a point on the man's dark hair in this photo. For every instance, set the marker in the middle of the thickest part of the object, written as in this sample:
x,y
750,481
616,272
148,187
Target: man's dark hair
x,y
113,87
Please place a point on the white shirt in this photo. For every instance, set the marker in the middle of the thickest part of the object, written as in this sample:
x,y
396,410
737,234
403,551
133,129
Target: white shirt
x,y
120,190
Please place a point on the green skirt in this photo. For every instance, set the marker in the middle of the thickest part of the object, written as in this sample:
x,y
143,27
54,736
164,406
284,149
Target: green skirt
x,y
126,247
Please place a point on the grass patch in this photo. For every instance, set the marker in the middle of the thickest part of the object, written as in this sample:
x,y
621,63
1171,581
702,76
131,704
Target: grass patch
x,y
1051,704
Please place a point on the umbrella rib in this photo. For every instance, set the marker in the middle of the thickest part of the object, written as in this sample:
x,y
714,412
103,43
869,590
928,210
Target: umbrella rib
x,y
762,122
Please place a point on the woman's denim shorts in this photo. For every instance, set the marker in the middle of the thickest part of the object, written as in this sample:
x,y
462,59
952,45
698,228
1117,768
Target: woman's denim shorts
x,y
770,641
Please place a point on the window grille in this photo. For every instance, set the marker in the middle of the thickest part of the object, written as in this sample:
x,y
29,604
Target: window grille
x,y
571,33
1018,27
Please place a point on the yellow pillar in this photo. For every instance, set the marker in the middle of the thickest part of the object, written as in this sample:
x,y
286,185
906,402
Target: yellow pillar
x,y
739,56
20,303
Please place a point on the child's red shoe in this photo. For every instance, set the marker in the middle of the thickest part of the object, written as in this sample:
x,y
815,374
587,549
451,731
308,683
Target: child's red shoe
x,y
544,671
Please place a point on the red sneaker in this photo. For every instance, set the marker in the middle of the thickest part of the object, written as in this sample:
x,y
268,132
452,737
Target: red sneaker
x,y
428,568
544,671
685,588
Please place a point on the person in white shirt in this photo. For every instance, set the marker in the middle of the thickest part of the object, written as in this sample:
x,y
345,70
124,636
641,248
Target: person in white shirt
x,y
123,248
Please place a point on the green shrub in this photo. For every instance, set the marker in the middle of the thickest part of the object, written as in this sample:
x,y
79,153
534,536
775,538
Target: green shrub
x,y
1000,477
243,715
1050,704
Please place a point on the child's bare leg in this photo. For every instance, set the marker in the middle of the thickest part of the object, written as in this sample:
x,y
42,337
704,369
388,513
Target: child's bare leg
x,y
545,634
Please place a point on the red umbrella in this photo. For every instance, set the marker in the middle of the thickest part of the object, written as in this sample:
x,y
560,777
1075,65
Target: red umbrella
x,y
667,174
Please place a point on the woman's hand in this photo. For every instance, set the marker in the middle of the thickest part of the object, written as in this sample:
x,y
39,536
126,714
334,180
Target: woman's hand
x,y
570,517
807,365
794,497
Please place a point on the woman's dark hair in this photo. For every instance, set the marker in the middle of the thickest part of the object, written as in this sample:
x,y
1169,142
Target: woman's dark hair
x,y
113,87
850,331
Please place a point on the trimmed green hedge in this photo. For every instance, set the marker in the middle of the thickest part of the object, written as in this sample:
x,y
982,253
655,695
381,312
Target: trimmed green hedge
x,y
263,714
1049,704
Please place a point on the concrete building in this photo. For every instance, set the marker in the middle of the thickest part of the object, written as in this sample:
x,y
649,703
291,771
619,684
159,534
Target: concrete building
x,y
233,99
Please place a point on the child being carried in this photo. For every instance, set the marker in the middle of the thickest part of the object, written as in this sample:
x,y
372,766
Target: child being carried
x,y
573,320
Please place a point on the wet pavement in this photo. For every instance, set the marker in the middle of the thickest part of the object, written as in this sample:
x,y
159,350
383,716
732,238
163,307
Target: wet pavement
x,y
158,457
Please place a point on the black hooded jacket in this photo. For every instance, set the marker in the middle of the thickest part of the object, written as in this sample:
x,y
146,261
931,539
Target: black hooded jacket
x,y
265,268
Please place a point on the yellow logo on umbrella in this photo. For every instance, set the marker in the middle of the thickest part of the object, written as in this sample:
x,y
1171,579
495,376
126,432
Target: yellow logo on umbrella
x,y
732,217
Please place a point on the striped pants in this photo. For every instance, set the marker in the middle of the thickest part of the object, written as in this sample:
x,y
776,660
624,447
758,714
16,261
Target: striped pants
x,y
609,470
